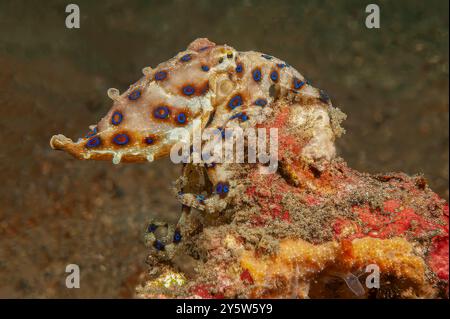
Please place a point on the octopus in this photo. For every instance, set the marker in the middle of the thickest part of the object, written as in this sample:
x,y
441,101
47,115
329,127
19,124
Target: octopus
x,y
310,229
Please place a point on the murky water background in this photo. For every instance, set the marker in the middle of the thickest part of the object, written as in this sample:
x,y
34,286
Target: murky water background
x,y
54,210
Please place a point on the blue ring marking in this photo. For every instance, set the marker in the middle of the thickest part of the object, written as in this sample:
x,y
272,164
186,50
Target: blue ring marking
x,y
134,95
93,142
235,102
181,118
91,133
244,117
257,75
177,237
161,112
205,68
188,90
298,83
149,140
239,68
186,57
274,76
151,228
281,65
261,102
159,245
266,56
225,188
161,75
113,118
121,139
222,188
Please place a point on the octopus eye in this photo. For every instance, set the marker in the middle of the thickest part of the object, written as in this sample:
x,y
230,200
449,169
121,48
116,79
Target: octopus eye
x,y
186,57
235,102
121,139
134,95
205,68
266,56
116,118
93,142
161,75
188,90
257,75
298,83
274,76
239,68
161,112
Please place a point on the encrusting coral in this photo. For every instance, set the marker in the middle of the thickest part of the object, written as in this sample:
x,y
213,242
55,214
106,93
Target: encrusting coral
x,y
312,227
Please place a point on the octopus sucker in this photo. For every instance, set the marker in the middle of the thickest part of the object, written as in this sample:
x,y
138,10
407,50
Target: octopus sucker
x,y
311,228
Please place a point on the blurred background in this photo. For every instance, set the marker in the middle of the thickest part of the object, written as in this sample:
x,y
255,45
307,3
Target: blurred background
x,y
392,82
